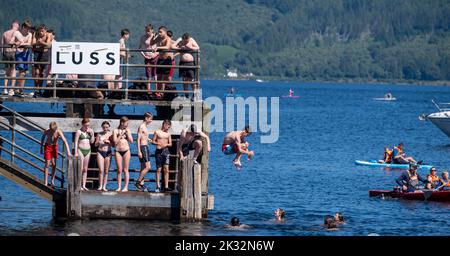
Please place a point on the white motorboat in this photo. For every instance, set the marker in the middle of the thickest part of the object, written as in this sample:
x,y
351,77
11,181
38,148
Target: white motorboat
x,y
441,119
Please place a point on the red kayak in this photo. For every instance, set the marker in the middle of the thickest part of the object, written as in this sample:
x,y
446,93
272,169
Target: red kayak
x,y
425,195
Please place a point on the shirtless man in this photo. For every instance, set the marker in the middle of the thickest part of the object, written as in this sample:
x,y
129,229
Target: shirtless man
x,y
50,151
8,54
234,143
187,43
122,137
42,41
151,56
143,150
192,140
20,39
163,141
164,43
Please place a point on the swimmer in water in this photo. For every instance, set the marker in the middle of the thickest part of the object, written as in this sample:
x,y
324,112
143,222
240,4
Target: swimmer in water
x,y
280,214
339,218
235,223
330,223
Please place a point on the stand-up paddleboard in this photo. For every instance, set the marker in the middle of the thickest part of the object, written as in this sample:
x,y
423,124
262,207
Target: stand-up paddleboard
x,y
233,95
374,163
385,99
290,97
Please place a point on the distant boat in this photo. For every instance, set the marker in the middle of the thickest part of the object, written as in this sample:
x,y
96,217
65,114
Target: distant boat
x,y
259,81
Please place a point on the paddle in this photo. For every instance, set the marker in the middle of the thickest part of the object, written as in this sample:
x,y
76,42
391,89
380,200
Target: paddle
x,y
428,192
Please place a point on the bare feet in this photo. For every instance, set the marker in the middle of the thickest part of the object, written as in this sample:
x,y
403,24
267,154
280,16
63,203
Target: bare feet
x,y
125,190
238,165
82,189
85,188
99,189
118,190
104,189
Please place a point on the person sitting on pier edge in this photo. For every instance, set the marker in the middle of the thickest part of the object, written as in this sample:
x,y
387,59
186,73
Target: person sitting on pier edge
x,y
50,151
192,140
8,54
164,44
150,56
400,157
234,143
409,180
280,214
143,150
187,43
163,141
444,182
84,137
387,156
42,41
104,154
21,39
121,137
433,179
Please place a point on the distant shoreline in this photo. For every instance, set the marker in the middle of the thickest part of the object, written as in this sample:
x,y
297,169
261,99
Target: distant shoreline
x,y
344,81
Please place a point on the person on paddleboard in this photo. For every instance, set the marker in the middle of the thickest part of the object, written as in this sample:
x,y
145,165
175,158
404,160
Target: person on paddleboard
x,y
291,93
400,157
409,180
387,156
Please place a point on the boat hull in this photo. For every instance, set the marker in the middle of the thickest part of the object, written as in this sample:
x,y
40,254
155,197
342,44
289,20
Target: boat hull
x,y
438,196
442,121
374,163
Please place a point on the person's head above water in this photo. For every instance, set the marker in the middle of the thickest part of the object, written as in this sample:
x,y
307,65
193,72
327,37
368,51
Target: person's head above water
x,y
280,213
329,222
339,217
235,222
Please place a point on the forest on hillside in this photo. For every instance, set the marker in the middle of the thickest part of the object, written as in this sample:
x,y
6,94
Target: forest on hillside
x,y
402,40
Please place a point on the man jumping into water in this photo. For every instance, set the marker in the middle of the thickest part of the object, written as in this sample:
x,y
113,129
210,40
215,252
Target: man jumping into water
x,y
234,143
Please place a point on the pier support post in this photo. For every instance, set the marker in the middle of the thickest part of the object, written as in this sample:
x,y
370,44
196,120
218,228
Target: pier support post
x,y
191,191
73,189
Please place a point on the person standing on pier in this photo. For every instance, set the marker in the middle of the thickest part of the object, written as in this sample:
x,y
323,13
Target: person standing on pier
x,y
124,55
42,41
150,55
234,143
104,154
50,150
143,150
21,40
122,137
8,54
192,140
164,43
187,43
163,141
84,137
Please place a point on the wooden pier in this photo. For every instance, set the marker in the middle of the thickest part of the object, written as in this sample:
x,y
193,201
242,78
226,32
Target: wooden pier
x,y
21,162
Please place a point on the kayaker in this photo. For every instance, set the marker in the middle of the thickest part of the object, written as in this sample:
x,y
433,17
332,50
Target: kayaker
x,y
387,156
433,179
444,182
409,180
399,156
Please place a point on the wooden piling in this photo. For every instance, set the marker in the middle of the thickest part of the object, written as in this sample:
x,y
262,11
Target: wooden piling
x,y
73,189
197,191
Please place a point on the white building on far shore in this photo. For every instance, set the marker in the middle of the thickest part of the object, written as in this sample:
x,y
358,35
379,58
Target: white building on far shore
x,y
232,73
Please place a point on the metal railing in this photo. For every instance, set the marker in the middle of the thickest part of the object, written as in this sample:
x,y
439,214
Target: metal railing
x,y
20,153
53,80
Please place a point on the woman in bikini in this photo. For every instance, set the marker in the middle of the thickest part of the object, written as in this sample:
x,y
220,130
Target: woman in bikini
x,y
104,154
122,137
83,140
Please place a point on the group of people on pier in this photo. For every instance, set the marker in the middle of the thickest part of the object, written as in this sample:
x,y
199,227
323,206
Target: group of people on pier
x,y
116,143
23,43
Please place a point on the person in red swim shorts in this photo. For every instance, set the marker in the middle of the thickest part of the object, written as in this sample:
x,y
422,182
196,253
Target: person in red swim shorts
x,y
50,149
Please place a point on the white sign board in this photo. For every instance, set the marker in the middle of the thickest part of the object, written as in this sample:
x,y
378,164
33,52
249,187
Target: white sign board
x,y
86,58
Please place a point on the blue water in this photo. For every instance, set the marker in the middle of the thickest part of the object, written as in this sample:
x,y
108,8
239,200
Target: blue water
x,y
309,172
